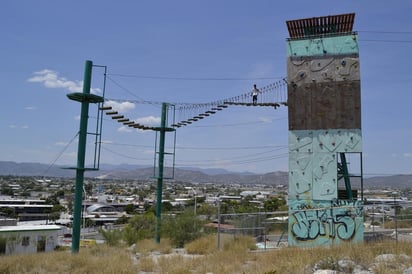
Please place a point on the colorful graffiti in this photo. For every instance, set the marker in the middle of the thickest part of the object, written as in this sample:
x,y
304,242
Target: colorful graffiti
x,y
338,221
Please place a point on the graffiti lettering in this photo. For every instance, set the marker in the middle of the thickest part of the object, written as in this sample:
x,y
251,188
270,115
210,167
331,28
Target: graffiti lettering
x,y
355,205
336,221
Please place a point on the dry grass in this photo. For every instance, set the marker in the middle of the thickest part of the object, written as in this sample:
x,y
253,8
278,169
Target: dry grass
x,y
147,246
98,259
235,256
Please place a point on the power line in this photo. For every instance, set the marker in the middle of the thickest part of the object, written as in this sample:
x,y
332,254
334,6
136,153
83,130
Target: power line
x,y
60,154
385,32
209,163
124,155
265,159
383,174
385,41
202,148
141,100
126,145
240,124
194,78
253,156
243,159
233,148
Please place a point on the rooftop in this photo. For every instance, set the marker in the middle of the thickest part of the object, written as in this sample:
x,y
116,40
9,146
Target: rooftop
x,y
29,228
315,26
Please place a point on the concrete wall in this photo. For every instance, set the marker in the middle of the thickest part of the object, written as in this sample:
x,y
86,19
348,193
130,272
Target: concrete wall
x,y
28,241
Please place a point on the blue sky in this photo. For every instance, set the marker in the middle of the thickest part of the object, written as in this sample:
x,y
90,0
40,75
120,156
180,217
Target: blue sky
x,y
189,52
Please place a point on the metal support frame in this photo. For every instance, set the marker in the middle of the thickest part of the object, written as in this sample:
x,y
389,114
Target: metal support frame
x,y
162,133
85,98
343,171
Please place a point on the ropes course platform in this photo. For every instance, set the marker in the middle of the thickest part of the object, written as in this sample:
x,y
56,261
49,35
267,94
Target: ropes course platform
x,y
273,104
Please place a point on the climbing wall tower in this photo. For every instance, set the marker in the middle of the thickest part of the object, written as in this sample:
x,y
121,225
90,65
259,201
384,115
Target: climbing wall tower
x,y
324,131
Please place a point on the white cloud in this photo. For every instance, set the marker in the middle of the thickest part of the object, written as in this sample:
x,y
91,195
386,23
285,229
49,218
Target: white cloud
x,y
124,129
146,121
120,106
30,108
265,119
149,152
51,79
71,154
149,121
61,144
22,127
407,155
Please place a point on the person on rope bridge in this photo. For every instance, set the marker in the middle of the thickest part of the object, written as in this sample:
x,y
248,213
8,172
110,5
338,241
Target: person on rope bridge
x,y
255,93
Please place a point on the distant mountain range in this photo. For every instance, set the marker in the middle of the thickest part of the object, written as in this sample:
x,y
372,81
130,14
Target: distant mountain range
x,y
189,174
124,172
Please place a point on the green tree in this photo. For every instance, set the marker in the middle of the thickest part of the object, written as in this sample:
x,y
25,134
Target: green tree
x,y
8,212
166,206
25,194
139,227
246,205
207,209
112,237
58,208
122,220
59,193
129,209
52,200
273,204
55,212
182,228
54,216
7,191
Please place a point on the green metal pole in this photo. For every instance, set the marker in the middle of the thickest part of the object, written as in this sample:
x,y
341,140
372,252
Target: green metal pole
x,y
160,175
81,155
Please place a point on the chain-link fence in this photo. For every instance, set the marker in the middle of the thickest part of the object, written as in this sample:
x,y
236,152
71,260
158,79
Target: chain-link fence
x,y
268,228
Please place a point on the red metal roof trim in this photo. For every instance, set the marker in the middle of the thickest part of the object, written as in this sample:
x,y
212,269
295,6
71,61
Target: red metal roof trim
x,y
331,24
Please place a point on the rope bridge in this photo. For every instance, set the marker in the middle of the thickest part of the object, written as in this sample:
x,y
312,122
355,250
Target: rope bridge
x,y
272,95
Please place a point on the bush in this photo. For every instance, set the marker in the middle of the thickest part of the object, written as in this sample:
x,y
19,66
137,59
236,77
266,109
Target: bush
x,y
240,243
182,228
139,227
203,245
112,237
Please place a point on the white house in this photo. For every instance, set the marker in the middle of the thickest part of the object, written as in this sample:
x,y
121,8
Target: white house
x,y
28,238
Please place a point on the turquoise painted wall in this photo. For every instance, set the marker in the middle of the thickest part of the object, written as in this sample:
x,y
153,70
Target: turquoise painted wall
x,y
316,216
324,121
313,161
333,45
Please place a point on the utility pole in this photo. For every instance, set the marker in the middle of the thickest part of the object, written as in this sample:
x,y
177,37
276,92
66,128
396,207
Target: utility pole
x,y
85,99
162,129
